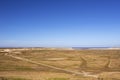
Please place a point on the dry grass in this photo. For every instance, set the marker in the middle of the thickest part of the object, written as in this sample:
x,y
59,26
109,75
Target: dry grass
x,y
106,63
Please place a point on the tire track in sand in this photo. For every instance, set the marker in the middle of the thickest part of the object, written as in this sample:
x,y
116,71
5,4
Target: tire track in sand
x,y
86,74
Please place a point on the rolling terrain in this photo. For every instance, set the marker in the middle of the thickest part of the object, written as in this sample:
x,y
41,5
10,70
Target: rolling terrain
x,y
61,64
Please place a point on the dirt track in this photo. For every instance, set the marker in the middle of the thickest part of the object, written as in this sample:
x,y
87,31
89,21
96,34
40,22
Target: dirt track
x,y
86,74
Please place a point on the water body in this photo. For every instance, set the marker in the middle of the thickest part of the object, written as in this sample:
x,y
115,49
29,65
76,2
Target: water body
x,y
82,48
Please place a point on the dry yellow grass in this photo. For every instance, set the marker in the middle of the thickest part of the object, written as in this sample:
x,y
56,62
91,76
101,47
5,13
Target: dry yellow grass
x,y
105,63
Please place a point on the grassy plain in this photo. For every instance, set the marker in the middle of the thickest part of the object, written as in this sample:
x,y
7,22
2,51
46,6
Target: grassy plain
x,y
105,64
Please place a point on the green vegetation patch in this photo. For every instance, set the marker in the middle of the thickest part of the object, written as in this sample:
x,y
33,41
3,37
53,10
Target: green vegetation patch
x,y
22,68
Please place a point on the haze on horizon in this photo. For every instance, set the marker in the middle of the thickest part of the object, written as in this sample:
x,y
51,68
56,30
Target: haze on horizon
x,y
59,23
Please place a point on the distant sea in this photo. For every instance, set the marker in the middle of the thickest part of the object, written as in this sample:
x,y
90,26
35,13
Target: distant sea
x,y
91,47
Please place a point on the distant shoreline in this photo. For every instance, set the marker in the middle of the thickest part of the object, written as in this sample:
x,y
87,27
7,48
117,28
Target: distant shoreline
x,y
74,48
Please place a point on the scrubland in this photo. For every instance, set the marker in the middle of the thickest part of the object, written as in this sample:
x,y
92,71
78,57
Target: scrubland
x,y
60,64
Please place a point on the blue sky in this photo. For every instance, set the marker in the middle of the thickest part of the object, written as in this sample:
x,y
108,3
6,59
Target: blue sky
x,y
59,23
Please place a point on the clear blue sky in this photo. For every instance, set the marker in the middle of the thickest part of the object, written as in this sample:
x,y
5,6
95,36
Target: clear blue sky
x,y
59,23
